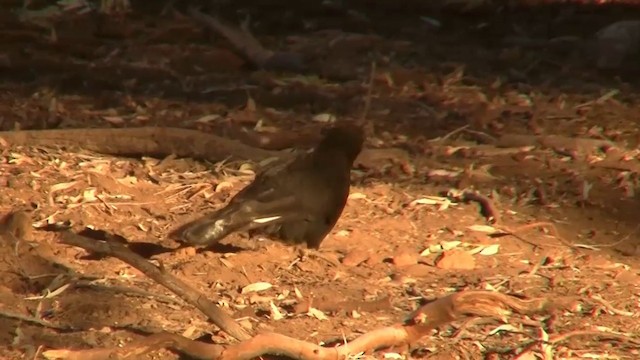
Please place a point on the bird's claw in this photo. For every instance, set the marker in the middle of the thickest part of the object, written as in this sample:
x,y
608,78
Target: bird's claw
x,y
302,253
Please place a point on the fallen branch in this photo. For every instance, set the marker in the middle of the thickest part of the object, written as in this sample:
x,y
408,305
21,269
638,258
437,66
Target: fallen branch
x,y
619,159
163,142
179,287
418,324
4,313
574,147
128,291
134,350
546,225
333,306
247,46
147,141
595,334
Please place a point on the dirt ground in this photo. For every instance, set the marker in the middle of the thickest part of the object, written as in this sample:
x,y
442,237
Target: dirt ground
x,y
437,90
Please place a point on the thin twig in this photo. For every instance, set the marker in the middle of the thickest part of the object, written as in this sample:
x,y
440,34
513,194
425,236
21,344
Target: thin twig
x,y
367,99
128,291
187,292
447,136
616,243
594,334
33,320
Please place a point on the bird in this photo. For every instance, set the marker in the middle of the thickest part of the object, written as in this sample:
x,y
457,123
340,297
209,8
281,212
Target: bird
x,y
298,202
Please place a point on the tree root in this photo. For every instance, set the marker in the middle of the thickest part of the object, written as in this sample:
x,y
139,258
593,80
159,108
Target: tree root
x,y
416,326
147,141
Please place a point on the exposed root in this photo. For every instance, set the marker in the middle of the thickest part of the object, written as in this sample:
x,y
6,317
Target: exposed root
x,y
418,324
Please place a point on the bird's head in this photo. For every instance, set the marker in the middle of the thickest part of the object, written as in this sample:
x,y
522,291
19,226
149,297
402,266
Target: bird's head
x,y
348,138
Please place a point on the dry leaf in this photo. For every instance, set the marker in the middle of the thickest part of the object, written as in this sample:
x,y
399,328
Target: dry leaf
x,y
59,354
251,105
255,287
62,186
325,118
425,252
313,312
448,245
547,349
438,248
443,173
113,120
49,294
450,150
505,327
188,333
89,195
226,263
275,313
59,187
343,233
260,127
128,180
223,185
482,228
432,200
394,356
357,195
283,295
246,169
423,201
490,250
207,118
444,206
20,159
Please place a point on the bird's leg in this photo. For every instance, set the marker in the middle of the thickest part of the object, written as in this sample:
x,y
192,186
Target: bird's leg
x,y
255,241
305,253
318,254
302,253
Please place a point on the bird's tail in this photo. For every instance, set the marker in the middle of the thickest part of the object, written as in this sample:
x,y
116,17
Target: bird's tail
x,y
245,215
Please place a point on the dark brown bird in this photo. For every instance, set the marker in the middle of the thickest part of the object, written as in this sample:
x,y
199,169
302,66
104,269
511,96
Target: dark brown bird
x,y
298,202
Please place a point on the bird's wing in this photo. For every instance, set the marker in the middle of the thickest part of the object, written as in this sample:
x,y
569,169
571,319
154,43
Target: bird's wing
x,y
276,184
273,195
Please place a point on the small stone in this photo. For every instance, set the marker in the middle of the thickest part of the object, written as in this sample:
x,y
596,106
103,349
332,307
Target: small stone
x,y
418,270
456,259
355,257
189,251
375,259
405,259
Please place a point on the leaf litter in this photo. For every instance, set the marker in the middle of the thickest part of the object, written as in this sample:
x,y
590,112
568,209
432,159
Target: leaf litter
x,y
379,224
